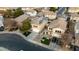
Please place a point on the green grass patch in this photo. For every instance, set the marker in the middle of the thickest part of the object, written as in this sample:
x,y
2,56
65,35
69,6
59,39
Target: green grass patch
x,y
45,41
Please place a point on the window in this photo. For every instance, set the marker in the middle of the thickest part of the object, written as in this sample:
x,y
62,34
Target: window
x,y
58,31
46,32
35,26
74,20
50,32
50,28
48,22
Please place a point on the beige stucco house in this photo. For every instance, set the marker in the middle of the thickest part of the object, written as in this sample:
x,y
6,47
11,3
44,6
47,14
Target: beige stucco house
x,y
20,19
73,9
23,8
31,12
5,8
49,14
38,23
57,28
74,17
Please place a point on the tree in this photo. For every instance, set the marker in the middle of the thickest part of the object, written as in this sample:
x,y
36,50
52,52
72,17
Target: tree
x,y
8,13
26,25
18,12
14,12
53,9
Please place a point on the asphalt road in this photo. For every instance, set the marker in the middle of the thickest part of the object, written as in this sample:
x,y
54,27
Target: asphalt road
x,y
14,42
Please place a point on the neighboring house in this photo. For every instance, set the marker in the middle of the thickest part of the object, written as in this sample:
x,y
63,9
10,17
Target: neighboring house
x,y
46,8
23,8
76,29
38,23
32,8
57,28
27,8
74,17
21,18
31,12
1,23
2,8
10,25
49,14
5,8
73,10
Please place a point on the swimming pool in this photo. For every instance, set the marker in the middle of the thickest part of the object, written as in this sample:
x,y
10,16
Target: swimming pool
x,y
14,42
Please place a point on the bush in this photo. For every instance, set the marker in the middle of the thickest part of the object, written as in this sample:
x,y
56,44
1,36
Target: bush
x,y
45,41
14,12
8,13
17,12
53,9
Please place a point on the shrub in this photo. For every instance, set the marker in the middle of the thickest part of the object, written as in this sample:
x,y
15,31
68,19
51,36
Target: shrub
x,y
45,41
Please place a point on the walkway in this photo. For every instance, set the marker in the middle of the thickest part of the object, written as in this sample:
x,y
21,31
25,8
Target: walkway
x,y
32,36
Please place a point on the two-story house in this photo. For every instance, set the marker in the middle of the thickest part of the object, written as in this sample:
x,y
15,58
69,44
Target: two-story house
x,y
74,17
31,12
56,28
49,14
73,9
38,23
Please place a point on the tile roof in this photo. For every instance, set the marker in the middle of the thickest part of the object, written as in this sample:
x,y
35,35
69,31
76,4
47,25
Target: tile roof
x,y
59,23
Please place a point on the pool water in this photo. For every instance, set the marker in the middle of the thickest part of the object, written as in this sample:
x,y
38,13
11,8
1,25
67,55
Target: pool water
x,y
14,42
